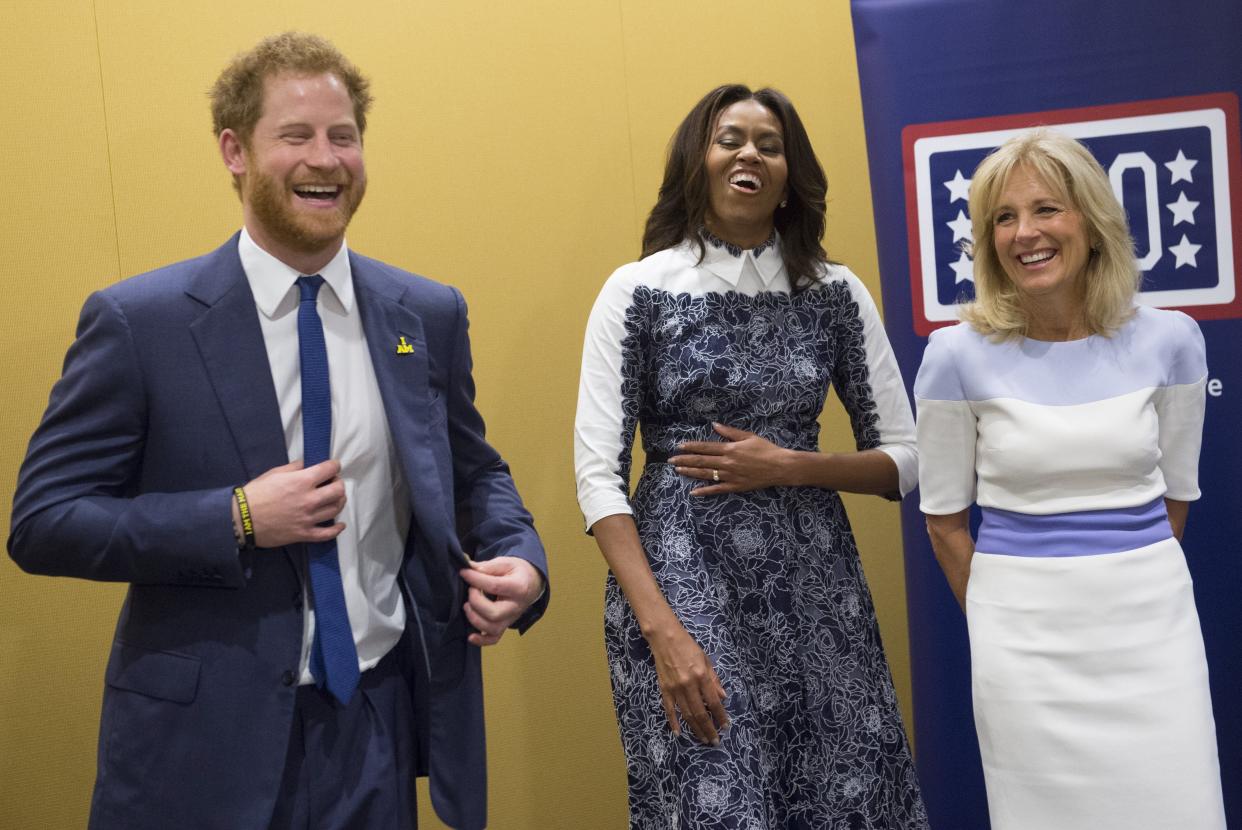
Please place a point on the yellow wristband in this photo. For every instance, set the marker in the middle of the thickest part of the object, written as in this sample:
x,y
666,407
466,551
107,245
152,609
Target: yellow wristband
x,y
247,523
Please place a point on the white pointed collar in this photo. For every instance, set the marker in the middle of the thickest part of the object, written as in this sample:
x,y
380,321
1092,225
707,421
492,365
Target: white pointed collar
x,y
727,261
272,281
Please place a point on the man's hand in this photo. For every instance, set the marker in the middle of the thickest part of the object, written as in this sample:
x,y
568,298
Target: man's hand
x,y
288,503
501,590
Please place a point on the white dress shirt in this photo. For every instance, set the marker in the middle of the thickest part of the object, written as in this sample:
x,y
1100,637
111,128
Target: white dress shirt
x,y
377,507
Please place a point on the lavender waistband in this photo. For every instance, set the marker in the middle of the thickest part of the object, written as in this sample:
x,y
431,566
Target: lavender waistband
x,y
1087,533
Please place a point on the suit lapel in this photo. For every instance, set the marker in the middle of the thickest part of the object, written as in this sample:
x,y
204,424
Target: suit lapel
x,y
398,348
230,342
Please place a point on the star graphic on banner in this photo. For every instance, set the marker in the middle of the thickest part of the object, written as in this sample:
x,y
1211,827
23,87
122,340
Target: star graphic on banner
x,y
964,269
1180,168
961,227
1183,209
959,187
1185,253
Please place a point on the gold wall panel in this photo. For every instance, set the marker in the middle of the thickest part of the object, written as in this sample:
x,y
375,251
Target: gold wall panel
x,y
514,150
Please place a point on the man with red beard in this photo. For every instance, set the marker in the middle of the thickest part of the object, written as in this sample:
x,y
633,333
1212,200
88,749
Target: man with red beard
x,y
276,445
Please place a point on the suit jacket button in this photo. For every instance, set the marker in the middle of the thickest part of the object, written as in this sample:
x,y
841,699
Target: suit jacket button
x,y
288,678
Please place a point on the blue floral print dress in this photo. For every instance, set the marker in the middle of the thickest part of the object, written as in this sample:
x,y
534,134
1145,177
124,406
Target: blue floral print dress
x,y
767,582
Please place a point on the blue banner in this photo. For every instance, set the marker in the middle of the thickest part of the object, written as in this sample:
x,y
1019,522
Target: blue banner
x,y
1152,88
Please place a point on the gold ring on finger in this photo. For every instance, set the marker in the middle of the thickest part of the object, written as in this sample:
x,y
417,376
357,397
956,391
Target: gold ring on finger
x,y
716,476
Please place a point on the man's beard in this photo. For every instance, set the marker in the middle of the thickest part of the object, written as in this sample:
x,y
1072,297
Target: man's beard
x,y
304,231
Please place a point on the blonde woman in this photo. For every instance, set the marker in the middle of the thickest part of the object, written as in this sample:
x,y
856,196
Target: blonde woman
x,y
1073,418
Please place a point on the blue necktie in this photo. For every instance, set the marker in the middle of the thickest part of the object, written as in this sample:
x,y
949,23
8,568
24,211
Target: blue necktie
x,y
333,659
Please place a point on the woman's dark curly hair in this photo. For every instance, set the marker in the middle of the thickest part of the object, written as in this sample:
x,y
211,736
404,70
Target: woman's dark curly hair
x,y
682,205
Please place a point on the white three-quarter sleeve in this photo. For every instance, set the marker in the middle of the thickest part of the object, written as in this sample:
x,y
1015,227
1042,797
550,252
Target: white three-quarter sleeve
x,y
878,390
1180,409
947,431
607,405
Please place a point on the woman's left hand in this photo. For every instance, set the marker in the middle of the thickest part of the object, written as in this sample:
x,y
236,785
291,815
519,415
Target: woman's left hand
x,y
741,462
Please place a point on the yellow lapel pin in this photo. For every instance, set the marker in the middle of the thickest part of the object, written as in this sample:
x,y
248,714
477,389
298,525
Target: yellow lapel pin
x,y
404,348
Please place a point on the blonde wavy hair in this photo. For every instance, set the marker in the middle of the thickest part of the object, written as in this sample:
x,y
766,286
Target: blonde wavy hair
x,y
1068,169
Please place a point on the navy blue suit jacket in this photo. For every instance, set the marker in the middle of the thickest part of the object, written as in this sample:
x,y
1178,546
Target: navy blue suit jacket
x,y
166,403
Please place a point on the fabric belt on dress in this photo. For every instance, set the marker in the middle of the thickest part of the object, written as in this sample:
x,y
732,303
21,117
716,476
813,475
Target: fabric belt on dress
x,y
1082,533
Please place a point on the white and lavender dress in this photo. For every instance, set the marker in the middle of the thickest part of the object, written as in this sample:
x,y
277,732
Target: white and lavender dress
x,y
1089,678
767,582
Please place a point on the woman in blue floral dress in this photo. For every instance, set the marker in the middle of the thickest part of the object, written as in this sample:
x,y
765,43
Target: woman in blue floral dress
x,y
748,675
